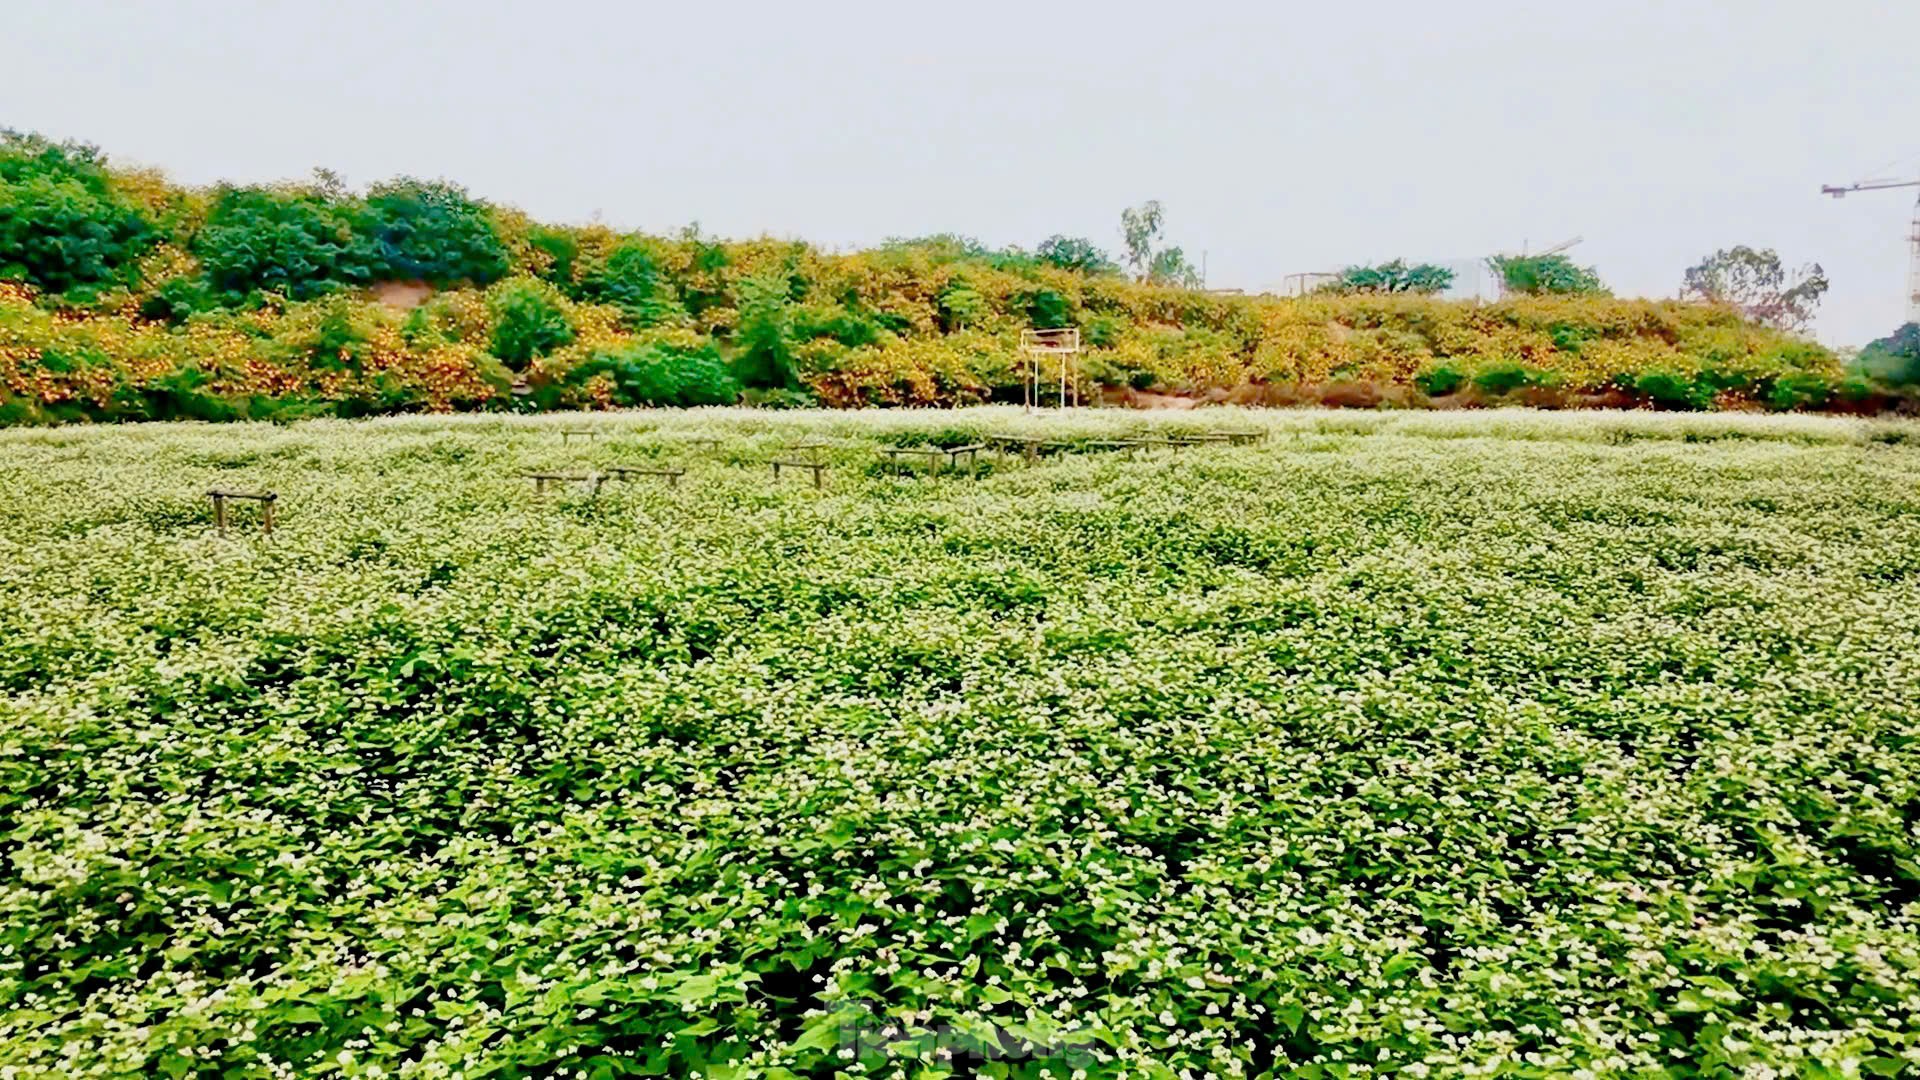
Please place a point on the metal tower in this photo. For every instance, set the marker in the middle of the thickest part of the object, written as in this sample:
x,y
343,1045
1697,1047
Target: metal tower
x,y
1913,235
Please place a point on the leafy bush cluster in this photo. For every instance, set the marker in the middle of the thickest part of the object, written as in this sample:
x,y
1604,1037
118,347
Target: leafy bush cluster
x,y
1392,277
132,298
1538,275
1403,744
63,224
1895,358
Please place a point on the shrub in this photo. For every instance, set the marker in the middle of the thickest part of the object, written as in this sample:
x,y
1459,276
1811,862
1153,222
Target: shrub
x,y
1103,332
298,242
961,305
179,395
1076,254
560,249
1799,390
1393,277
631,280
656,374
178,299
1537,275
849,327
765,359
527,321
1669,390
1046,309
1440,381
430,231
779,398
1503,379
62,224
1895,358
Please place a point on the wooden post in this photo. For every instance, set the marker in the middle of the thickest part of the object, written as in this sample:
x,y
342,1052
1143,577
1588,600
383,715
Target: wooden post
x,y
818,468
220,496
971,450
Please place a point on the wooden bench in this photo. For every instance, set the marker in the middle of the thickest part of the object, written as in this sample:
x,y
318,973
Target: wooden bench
x,y
567,434
934,453
1240,438
266,499
819,470
1170,443
1028,446
628,472
542,479
1127,445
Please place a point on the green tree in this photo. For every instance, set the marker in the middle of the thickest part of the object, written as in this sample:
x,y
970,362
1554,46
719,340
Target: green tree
x,y
1894,358
961,305
1076,254
1141,228
62,224
1543,274
561,249
661,375
631,280
763,338
1755,282
431,231
527,321
300,242
1392,277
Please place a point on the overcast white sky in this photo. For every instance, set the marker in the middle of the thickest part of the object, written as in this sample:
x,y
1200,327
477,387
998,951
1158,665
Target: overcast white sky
x,y
1281,136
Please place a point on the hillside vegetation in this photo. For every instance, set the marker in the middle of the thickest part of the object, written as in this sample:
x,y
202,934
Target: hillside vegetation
x,y
123,296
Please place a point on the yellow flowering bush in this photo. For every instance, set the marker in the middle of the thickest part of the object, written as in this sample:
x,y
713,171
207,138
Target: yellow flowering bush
x,y
189,317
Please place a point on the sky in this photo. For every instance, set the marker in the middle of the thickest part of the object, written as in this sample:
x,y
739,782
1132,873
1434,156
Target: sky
x,y
1281,137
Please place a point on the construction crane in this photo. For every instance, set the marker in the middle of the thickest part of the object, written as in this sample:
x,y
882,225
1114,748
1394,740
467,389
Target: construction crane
x,y
1554,250
1913,234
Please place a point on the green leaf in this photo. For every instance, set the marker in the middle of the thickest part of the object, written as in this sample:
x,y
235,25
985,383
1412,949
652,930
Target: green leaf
x,y
822,1034
697,989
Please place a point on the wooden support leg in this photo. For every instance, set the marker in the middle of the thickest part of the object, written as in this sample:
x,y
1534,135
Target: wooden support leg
x,y
266,518
220,513
819,477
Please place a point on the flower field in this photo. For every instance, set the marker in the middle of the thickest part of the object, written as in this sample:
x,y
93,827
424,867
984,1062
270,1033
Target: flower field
x,y
1412,744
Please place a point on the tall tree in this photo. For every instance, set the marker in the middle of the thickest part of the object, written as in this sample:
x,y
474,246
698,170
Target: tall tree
x,y
1075,253
1141,226
1755,282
